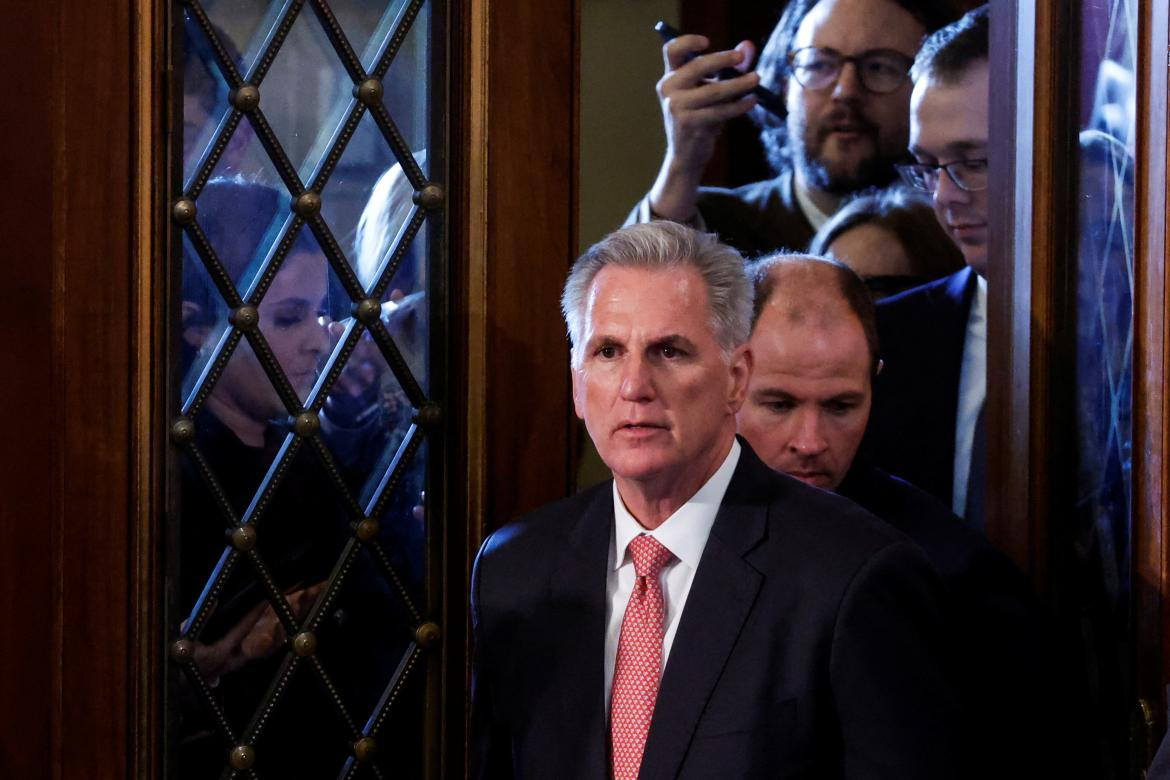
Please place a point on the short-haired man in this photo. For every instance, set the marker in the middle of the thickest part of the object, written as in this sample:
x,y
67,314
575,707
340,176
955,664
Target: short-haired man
x,y
842,68
701,615
814,347
928,402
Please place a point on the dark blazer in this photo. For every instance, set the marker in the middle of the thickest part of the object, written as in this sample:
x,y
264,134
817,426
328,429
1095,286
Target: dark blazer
x,y
921,333
995,623
757,218
810,645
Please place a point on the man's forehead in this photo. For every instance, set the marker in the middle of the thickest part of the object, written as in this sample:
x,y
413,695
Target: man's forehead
x,y
854,26
949,118
658,300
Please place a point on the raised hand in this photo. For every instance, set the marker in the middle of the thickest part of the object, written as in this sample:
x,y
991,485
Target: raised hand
x,y
694,108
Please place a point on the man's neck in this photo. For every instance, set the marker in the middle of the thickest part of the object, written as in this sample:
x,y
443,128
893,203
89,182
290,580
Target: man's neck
x,y
821,201
653,501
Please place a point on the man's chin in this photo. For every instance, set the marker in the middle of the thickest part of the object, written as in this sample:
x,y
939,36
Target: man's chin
x,y
841,177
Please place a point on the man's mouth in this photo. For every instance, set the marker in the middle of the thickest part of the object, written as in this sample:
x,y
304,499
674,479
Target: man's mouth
x,y
967,230
640,428
812,477
847,126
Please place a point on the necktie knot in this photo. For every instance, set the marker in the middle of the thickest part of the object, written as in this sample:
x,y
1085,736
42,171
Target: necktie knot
x,y
649,556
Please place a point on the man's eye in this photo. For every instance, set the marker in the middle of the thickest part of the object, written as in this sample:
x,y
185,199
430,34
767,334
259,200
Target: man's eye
x,y
881,68
818,67
974,166
778,407
840,407
670,353
608,351
287,321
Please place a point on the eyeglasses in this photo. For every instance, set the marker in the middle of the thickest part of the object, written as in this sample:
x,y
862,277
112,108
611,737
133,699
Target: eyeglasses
x,y
968,175
880,70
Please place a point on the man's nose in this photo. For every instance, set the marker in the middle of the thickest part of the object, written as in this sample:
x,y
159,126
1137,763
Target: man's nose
x,y
637,383
808,439
947,192
848,85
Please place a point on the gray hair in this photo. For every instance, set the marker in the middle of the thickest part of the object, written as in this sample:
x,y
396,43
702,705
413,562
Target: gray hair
x,y
664,245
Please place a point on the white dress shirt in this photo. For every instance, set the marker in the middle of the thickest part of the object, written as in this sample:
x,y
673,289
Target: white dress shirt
x,y
685,534
814,215
972,393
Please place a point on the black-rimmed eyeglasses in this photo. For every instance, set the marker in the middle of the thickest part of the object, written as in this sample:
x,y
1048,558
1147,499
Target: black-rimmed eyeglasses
x,y
880,70
969,175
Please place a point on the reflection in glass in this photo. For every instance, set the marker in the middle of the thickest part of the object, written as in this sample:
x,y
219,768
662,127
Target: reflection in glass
x,y
302,514
1103,311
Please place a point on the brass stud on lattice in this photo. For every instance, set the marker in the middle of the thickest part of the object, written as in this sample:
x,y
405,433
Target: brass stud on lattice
x,y
245,317
369,92
306,423
430,196
182,430
242,757
427,635
367,310
366,530
428,416
183,211
245,97
182,651
364,749
243,538
307,205
305,644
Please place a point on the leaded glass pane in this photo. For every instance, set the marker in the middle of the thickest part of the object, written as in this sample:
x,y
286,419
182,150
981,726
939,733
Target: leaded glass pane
x,y
1104,361
302,383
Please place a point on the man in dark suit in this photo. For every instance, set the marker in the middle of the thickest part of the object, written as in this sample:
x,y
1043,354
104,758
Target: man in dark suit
x,y
814,346
835,129
926,425
700,615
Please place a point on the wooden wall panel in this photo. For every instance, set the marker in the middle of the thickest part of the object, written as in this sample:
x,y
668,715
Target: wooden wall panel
x,y
76,492
531,217
26,555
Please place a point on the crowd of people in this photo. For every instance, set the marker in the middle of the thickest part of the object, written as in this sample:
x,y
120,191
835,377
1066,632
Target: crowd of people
x,y
787,575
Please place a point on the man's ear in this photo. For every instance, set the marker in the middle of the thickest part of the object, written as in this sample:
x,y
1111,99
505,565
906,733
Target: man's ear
x,y
578,400
740,373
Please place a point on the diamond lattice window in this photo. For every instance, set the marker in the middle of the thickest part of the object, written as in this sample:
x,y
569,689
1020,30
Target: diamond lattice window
x,y
308,210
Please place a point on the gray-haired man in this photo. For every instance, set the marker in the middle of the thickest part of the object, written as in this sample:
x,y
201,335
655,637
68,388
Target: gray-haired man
x,y
701,615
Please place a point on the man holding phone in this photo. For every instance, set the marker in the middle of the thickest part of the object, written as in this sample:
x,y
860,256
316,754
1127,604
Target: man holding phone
x,y
842,67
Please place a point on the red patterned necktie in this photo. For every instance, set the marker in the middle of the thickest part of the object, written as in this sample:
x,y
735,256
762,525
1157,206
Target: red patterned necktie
x,y
639,659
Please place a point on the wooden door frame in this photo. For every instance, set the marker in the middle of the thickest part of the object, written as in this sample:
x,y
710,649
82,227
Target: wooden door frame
x,y
1151,569
1031,233
82,469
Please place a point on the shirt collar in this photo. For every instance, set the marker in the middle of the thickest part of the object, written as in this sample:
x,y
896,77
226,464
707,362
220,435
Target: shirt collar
x,y
814,215
977,319
685,532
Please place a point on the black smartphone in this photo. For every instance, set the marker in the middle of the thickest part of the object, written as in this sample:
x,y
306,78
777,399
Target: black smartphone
x,y
767,99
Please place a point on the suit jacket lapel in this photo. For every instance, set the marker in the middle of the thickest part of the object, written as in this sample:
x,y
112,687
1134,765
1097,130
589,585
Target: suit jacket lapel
x,y
577,587
721,596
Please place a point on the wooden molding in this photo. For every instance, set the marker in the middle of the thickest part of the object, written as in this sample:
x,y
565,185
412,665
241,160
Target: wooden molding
x,y
147,356
1009,369
1151,577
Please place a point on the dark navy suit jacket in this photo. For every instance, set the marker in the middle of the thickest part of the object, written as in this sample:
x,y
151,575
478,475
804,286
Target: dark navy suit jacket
x,y
757,218
921,333
996,626
811,645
